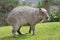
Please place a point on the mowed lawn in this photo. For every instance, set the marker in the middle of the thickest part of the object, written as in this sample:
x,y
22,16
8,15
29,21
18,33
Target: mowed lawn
x,y
44,31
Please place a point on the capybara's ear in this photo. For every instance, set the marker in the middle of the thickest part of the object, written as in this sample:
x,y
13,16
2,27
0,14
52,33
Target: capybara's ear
x,y
43,10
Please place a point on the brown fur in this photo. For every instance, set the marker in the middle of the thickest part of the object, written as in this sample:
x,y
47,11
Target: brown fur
x,y
24,15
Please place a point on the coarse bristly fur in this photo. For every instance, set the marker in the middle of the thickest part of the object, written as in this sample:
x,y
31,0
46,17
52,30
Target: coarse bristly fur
x,y
25,15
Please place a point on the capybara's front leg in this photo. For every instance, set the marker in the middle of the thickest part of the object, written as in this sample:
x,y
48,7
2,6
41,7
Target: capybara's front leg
x,y
33,29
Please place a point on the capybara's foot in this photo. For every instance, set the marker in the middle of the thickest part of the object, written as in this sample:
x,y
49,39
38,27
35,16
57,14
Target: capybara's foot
x,y
15,36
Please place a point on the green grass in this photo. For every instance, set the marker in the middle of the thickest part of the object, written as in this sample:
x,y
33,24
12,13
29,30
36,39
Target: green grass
x,y
44,31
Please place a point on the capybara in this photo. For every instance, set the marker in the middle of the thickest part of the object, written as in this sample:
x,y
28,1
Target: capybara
x,y
25,15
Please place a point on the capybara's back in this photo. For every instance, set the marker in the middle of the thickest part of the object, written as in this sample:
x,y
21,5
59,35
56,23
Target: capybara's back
x,y
21,15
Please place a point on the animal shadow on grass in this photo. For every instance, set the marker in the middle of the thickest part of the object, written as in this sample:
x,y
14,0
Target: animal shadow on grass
x,y
21,37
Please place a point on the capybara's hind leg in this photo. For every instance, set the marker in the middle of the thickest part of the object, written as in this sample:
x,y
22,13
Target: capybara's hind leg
x,y
15,29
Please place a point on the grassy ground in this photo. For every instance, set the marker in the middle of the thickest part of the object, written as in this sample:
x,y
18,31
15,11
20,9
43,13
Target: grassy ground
x,y
44,31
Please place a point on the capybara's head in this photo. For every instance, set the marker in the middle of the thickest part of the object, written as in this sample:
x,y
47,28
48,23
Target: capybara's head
x,y
45,14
